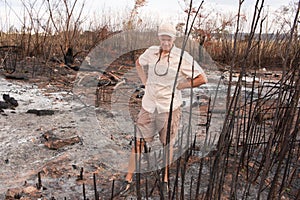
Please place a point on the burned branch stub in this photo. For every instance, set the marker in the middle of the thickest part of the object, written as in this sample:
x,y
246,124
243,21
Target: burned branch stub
x,y
69,57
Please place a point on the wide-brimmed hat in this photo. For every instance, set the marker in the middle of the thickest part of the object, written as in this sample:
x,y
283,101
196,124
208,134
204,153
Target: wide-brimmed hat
x,y
167,29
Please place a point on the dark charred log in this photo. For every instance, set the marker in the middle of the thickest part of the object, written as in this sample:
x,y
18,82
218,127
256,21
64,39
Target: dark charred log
x,y
41,112
55,143
10,100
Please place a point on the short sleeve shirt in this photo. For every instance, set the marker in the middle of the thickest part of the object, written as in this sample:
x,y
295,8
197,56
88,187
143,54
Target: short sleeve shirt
x,y
161,77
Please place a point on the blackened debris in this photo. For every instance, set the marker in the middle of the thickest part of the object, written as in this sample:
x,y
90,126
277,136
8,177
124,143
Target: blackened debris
x,y
55,143
4,105
8,103
69,57
16,76
10,100
40,112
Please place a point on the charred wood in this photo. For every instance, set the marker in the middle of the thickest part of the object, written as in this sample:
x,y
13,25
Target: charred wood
x,y
41,112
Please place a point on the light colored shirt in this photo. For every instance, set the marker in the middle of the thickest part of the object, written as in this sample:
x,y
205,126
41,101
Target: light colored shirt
x,y
160,80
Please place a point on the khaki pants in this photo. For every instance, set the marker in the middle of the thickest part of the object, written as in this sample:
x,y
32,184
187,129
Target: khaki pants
x,y
149,124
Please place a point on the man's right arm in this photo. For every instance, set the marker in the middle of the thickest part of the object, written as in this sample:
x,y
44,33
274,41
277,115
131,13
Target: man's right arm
x,y
141,72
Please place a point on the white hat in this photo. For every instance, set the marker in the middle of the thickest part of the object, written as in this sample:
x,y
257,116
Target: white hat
x,y
167,29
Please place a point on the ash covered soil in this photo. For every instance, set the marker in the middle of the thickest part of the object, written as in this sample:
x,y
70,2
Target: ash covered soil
x,y
44,152
52,143
25,148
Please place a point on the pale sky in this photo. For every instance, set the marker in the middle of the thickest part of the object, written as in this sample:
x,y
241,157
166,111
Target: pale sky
x,y
174,5
169,7
154,9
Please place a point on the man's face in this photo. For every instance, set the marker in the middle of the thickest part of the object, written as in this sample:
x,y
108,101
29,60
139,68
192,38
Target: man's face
x,y
166,42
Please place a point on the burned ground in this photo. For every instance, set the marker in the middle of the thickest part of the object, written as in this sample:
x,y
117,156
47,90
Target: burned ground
x,y
56,156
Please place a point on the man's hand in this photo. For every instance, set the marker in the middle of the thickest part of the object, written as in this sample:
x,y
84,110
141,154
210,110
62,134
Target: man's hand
x,y
199,80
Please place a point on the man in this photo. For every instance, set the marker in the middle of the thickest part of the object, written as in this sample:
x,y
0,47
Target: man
x,y
162,62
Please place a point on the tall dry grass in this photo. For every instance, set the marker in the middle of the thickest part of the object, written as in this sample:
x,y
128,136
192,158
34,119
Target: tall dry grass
x,y
63,28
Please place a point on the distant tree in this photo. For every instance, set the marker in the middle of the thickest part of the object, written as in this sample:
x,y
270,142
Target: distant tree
x,y
66,19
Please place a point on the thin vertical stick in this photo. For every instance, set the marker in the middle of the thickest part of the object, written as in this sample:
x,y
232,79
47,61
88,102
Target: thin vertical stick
x,y
81,174
191,186
138,173
83,191
183,172
158,178
39,184
199,179
146,188
112,189
95,187
175,188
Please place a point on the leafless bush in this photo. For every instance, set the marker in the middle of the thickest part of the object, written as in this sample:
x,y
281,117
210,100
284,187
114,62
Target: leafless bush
x,y
50,28
259,148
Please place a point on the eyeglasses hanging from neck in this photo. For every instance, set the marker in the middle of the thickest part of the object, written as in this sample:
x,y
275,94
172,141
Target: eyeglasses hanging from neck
x,y
155,66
